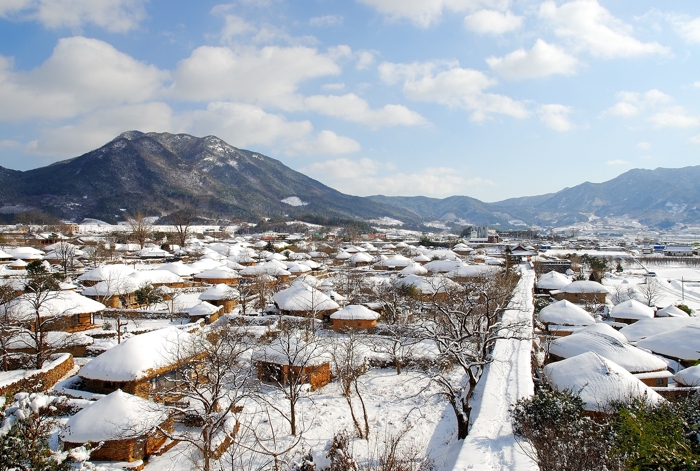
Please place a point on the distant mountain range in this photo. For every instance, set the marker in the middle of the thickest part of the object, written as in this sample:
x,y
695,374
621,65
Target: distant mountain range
x,y
161,173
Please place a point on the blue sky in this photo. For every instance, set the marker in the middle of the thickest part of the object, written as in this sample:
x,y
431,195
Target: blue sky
x,y
486,98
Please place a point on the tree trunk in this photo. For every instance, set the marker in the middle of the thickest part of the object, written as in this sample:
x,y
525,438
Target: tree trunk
x,y
364,411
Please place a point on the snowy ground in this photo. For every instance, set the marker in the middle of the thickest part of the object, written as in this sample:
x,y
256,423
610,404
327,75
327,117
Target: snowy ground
x,y
491,444
671,290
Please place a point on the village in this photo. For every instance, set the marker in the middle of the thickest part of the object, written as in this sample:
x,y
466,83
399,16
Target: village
x,y
163,348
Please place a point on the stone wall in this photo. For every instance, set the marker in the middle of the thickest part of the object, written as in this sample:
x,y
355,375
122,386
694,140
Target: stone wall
x,y
43,379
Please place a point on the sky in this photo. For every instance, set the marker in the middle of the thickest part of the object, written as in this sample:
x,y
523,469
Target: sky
x,y
486,98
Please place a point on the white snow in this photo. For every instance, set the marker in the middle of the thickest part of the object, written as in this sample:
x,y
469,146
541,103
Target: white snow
x,y
294,201
490,444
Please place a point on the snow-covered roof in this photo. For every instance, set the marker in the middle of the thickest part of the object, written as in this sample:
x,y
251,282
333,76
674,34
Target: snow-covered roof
x,y
220,273
584,286
292,351
648,327
597,380
607,329
397,261
629,357
52,303
107,272
219,292
179,268
137,357
26,253
632,309
360,257
414,269
671,311
429,285
203,309
688,377
302,297
355,312
54,339
683,343
117,416
204,264
553,280
444,266
565,313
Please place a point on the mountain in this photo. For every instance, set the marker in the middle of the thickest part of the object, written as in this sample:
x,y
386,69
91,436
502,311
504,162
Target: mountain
x,y
161,173
655,198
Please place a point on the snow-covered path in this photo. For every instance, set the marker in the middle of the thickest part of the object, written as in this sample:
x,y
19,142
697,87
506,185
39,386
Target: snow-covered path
x,y
491,444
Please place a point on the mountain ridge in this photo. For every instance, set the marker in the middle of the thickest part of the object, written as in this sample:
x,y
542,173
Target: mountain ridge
x,y
162,173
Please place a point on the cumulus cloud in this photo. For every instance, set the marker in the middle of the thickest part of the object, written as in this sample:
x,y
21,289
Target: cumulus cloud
x,y
81,75
423,13
675,117
353,108
269,75
695,139
97,128
633,103
448,84
492,22
643,145
365,59
326,21
344,168
590,27
326,142
685,26
113,15
369,177
556,117
541,61
245,125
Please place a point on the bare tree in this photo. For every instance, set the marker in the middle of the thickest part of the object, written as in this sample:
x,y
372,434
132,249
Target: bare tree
x,y
287,364
141,227
183,220
350,365
465,327
214,380
65,253
8,328
650,291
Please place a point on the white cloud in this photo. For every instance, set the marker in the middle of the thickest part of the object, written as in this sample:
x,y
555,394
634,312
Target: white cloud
x,y
235,26
333,86
590,27
541,61
643,145
365,60
246,125
97,128
556,117
81,75
454,87
696,84
492,22
370,177
113,15
687,28
424,13
695,139
269,75
344,168
353,108
675,117
9,144
326,21
633,103
617,162
326,142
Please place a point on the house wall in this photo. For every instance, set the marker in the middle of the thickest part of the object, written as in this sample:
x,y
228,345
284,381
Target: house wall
x,y
41,380
582,297
341,325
